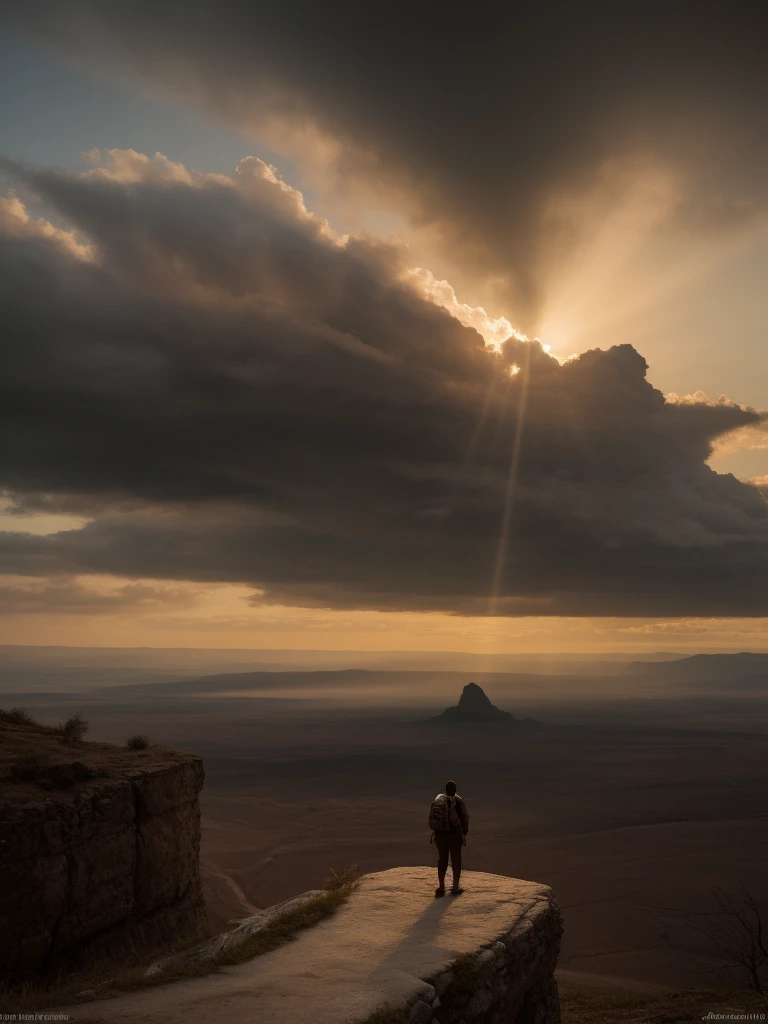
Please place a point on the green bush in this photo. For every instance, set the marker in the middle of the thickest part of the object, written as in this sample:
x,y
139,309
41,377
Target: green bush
x,y
138,742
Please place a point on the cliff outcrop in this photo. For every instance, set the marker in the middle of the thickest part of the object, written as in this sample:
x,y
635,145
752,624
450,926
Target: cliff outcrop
x,y
99,851
485,957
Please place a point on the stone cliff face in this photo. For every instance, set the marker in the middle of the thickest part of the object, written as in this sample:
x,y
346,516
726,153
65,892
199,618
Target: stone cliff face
x,y
98,853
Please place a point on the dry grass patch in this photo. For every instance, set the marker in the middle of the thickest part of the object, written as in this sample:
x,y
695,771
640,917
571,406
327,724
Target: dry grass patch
x,y
584,1006
338,887
19,716
276,934
341,878
72,731
285,927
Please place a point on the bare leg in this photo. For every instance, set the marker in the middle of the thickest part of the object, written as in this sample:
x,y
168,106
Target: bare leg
x,y
456,861
442,867
442,862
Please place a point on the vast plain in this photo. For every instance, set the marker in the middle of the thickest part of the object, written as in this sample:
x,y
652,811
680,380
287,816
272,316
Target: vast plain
x,y
638,792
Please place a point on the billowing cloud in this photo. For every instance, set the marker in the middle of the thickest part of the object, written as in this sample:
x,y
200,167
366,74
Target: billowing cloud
x,y
480,125
15,221
73,597
760,482
231,392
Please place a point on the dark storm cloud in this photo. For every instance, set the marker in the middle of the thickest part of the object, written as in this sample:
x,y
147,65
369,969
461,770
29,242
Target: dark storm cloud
x,y
478,115
233,393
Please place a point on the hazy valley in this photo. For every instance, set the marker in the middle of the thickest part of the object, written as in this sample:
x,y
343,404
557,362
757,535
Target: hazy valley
x,y
638,793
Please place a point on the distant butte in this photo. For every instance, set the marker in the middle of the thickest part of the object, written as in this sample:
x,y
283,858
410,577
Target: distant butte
x,y
474,707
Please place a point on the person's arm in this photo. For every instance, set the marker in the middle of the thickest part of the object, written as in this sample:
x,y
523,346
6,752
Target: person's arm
x,y
464,818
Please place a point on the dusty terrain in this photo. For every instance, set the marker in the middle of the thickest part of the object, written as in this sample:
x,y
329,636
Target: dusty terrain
x,y
631,805
630,830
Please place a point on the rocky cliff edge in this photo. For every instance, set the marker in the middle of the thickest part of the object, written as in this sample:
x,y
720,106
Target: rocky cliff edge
x,y
99,852
485,956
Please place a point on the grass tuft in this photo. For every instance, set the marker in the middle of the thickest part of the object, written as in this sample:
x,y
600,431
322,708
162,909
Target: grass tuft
x,y
341,878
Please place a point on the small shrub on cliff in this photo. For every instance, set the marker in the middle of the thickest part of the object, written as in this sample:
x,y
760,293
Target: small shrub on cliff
x,y
138,742
74,729
341,878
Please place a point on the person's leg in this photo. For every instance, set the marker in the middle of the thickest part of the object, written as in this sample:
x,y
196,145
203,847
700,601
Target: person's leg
x,y
456,844
442,843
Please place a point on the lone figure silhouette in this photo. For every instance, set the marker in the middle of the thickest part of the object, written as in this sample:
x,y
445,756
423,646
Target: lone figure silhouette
x,y
449,821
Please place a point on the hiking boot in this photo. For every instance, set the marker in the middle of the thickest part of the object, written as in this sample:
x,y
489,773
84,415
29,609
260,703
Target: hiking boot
x,y
456,892
440,891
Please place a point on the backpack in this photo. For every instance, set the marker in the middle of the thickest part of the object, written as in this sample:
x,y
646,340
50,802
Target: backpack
x,y
440,819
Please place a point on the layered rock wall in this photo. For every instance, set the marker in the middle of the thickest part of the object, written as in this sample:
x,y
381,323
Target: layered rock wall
x,y
105,866
510,981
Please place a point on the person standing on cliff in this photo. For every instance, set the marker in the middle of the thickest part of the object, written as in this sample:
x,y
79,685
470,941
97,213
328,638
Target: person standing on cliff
x,y
449,821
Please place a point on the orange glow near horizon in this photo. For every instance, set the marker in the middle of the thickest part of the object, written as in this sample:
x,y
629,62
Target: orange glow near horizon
x,y
173,613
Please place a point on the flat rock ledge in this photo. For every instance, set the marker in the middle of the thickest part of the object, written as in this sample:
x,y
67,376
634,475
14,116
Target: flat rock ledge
x,y
486,957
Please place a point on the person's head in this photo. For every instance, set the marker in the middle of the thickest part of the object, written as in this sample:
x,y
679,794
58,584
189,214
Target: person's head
x,y
450,788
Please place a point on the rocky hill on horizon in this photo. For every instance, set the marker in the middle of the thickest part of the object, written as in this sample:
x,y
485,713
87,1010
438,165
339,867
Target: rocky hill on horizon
x,y
739,666
475,708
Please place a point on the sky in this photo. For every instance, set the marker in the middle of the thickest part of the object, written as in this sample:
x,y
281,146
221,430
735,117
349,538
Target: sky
x,y
332,326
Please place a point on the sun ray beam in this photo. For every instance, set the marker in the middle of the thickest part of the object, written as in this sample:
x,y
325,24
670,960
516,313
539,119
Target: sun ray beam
x,y
509,495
